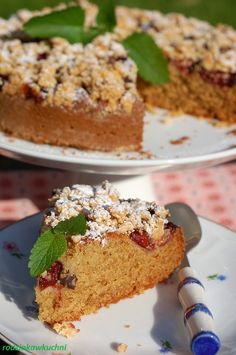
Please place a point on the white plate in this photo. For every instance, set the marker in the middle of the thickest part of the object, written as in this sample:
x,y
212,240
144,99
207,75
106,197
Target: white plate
x,y
154,317
207,145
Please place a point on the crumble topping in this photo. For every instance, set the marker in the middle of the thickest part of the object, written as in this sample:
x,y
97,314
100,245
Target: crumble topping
x,y
106,212
121,348
58,73
100,73
185,39
66,329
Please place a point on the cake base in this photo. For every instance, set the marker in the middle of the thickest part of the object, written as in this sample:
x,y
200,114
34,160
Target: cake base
x,y
107,274
188,92
85,127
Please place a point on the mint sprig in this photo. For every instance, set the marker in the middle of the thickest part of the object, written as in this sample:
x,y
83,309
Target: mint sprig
x,y
48,248
151,63
73,226
66,23
69,24
52,244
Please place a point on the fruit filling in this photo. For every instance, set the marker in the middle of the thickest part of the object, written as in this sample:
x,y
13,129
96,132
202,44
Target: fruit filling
x,y
142,239
52,276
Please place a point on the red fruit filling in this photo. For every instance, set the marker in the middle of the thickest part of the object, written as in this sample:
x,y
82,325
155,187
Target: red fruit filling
x,y
42,56
185,68
212,76
52,276
218,77
31,93
142,239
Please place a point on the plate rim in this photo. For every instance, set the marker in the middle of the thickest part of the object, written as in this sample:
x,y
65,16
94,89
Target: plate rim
x,y
229,153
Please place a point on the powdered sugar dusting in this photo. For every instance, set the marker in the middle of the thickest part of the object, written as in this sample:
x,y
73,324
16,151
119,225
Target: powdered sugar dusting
x,y
183,38
58,73
105,212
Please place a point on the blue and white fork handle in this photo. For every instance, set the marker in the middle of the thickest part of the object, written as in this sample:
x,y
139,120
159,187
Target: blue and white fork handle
x,y
197,316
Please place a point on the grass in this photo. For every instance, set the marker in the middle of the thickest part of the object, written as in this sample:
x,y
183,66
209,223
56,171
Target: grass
x,y
8,7
213,11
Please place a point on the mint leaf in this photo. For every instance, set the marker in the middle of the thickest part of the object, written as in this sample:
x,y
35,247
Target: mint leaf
x,y
91,33
73,226
66,23
151,63
106,17
48,248
52,244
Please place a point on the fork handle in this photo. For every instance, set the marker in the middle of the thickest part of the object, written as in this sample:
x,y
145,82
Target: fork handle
x,y
198,318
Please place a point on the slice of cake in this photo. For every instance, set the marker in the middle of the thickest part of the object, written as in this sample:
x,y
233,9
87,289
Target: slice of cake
x,y
128,246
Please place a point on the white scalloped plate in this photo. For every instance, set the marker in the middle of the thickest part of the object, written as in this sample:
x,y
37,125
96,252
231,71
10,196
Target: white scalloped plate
x,y
206,145
155,318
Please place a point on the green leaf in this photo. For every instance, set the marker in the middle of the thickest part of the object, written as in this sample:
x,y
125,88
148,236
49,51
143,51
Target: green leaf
x,y
91,33
212,277
67,23
167,344
151,63
106,17
52,244
48,248
73,226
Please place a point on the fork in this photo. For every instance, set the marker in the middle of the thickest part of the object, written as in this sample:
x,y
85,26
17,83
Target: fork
x,y
191,293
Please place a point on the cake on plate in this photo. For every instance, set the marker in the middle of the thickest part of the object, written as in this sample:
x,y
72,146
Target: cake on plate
x,y
91,96
128,246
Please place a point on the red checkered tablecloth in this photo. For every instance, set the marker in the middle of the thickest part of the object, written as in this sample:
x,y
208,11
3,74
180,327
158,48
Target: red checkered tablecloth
x,y
211,192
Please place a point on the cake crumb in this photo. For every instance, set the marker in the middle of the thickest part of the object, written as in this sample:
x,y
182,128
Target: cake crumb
x,y
167,120
216,123
127,326
121,348
232,132
11,140
65,329
180,140
139,344
141,155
